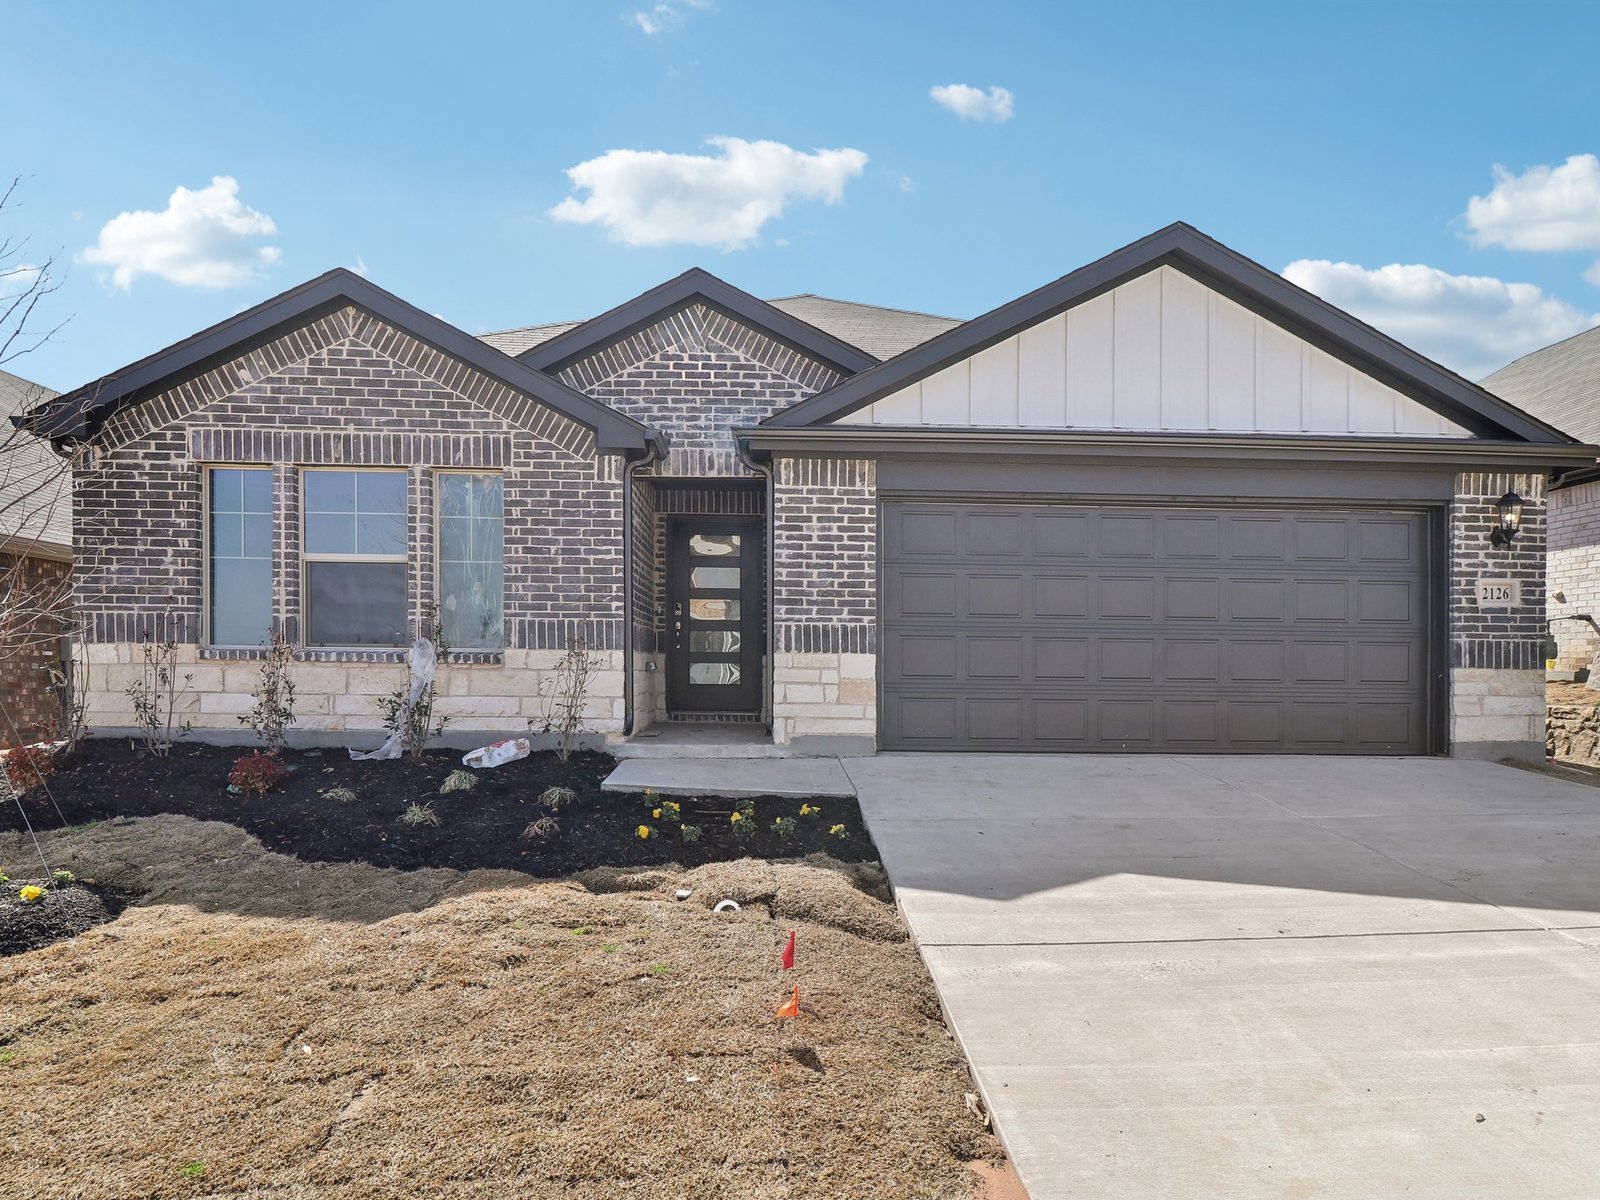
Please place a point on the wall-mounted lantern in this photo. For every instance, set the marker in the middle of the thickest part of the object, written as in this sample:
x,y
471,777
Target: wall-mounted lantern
x,y
1508,521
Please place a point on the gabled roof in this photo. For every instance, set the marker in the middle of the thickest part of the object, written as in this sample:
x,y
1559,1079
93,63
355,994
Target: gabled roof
x,y
1559,384
79,413
694,286
35,485
1247,283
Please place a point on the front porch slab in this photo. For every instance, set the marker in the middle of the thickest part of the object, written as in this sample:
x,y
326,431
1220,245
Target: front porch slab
x,y
733,777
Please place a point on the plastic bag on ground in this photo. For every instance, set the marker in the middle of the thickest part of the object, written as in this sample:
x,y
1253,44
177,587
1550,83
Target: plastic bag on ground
x,y
497,754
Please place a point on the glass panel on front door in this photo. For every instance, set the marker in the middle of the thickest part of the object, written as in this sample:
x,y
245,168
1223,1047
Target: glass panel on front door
x,y
714,584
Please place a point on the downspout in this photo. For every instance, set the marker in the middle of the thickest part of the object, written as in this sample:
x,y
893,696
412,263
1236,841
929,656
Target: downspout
x,y
655,452
765,471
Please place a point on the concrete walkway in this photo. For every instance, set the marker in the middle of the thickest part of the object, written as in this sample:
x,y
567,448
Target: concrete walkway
x,y
1262,977
733,777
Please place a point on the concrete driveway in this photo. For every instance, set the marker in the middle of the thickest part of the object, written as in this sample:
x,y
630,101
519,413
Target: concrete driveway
x,y
1262,977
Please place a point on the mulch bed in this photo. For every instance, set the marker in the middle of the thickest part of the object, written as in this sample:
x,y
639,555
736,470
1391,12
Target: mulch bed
x,y
62,912
478,828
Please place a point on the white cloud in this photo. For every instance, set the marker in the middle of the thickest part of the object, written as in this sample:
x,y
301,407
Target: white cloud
x,y
204,239
1544,208
662,18
654,198
1593,273
1472,324
975,104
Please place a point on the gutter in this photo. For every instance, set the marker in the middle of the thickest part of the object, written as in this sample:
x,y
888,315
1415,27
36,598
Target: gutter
x,y
883,440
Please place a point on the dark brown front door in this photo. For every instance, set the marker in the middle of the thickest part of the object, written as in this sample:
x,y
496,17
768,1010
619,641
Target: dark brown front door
x,y
714,625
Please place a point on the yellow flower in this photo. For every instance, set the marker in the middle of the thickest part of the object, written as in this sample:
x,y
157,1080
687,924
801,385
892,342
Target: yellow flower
x,y
806,810
30,894
671,806
737,816
644,831
837,831
656,813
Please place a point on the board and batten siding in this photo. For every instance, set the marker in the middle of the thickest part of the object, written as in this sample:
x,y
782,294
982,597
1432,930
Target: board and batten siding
x,y
1161,352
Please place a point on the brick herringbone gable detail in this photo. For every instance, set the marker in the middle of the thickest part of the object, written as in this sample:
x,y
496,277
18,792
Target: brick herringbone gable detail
x,y
699,328
347,326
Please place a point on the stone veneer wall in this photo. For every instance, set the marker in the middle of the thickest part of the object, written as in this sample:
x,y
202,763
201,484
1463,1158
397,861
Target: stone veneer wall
x,y
1573,565
1497,702
825,591
348,390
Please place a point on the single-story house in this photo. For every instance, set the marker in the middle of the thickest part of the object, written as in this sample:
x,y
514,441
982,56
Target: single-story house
x,y
1560,385
1168,502
35,566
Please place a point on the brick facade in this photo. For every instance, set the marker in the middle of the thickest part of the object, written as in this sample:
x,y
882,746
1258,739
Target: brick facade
x,y
1573,565
30,648
695,375
1496,655
825,598
349,390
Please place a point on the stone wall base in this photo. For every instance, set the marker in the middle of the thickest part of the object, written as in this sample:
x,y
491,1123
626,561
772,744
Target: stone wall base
x,y
824,696
1497,714
335,698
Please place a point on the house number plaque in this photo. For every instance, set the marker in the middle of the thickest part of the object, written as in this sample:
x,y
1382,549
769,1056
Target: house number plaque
x,y
1499,593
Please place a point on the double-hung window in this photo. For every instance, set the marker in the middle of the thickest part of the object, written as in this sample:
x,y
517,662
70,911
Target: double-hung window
x,y
471,560
239,562
354,573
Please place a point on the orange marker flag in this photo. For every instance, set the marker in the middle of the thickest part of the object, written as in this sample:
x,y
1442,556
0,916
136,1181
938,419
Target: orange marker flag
x,y
790,1008
787,957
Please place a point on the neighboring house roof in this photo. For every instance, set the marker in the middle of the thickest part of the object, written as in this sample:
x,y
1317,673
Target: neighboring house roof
x,y
79,413
694,286
35,484
1559,384
880,332
1246,282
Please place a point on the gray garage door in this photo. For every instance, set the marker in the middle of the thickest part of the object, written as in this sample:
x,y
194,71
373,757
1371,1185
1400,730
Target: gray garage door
x,y
1060,627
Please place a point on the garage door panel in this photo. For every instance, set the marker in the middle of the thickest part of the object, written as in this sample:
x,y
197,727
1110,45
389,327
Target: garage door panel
x,y
1294,631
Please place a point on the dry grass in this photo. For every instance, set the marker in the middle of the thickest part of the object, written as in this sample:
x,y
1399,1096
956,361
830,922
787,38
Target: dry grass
x,y
268,1027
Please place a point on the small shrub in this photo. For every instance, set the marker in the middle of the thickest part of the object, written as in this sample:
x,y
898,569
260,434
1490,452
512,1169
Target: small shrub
x,y
418,815
341,795
4,879
557,797
458,781
27,766
784,827
63,878
30,894
273,712
689,833
563,695
742,820
156,696
545,829
256,773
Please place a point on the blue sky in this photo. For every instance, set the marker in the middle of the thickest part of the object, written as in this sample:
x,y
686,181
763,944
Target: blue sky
x,y
430,145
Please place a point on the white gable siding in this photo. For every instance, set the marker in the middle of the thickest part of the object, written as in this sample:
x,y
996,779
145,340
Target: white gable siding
x,y
1161,352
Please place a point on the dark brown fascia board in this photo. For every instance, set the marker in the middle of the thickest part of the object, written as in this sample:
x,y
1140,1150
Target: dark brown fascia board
x,y
1587,473
77,414
1242,280
676,294
871,441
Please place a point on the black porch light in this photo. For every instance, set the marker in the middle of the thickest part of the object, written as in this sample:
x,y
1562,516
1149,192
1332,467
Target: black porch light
x,y
1508,510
